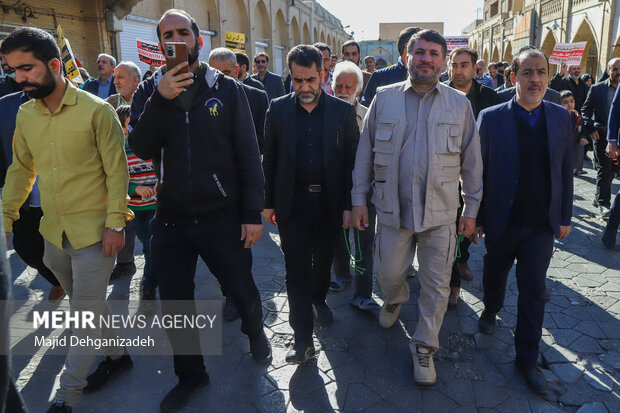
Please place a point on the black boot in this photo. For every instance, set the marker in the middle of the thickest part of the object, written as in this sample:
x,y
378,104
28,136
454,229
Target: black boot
x,y
260,347
486,323
230,311
534,377
59,407
120,270
107,368
182,393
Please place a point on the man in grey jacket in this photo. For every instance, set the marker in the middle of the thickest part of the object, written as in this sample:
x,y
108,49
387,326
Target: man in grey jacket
x,y
419,137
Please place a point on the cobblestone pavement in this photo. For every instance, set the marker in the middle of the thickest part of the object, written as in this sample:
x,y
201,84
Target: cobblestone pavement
x,y
362,367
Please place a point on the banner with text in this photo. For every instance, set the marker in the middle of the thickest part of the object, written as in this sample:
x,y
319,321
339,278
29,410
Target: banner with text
x,y
455,42
149,53
235,42
569,53
68,60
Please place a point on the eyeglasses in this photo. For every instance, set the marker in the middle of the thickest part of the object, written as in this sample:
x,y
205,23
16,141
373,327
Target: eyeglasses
x,y
260,61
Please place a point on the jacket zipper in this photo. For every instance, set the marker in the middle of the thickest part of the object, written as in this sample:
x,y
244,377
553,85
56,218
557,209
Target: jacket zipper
x,y
189,160
219,185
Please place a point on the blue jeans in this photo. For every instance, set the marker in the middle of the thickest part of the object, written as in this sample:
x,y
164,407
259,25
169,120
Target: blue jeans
x,y
140,227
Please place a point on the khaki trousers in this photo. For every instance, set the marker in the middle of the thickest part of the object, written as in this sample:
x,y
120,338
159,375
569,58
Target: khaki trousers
x,y
394,253
84,274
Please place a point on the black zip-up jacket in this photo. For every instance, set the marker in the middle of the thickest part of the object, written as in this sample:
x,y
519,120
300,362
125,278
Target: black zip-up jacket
x,y
205,159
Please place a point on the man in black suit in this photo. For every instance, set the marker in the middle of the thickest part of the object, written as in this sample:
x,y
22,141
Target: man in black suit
x,y
102,86
595,112
243,61
272,82
527,152
571,82
310,143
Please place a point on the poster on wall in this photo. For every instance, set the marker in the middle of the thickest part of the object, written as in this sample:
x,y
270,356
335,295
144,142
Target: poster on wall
x,y
569,53
149,53
68,59
235,42
455,42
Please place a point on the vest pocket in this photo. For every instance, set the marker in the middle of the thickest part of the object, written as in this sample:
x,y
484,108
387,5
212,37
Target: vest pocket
x,y
383,138
450,138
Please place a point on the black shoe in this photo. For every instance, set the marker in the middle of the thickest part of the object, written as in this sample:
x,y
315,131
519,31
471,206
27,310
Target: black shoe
x,y
486,323
534,377
411,271
107,368
595,203
59,407
120,270
322,314
260,348
181,393
148,303
609,237
230,311
300,353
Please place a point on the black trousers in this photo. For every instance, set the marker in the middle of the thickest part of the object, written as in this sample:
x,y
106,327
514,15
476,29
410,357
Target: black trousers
x,y
28,242
455,278
307,239
605,171
342,262
175,249
533,248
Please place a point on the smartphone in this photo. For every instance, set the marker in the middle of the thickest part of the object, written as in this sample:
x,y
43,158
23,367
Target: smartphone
x,y
176,53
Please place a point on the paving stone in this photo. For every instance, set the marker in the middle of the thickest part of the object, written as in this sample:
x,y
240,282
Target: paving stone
x,y
599,379
593,407
586,344
567,372
360,397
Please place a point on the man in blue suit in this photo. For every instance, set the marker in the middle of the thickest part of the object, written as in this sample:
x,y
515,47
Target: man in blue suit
x,y
528,194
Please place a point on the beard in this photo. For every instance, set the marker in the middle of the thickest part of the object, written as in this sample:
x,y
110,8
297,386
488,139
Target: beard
x,y
193,54
43,89
418,78
309,99
347,98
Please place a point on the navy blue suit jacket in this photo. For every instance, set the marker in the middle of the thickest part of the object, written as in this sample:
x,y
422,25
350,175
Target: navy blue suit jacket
x,y
500,156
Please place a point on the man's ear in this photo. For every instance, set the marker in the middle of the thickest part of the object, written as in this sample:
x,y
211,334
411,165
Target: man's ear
x,y
55,66
200,42
236,70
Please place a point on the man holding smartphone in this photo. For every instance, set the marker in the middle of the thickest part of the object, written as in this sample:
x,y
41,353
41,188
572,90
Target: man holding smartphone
x,y
197,127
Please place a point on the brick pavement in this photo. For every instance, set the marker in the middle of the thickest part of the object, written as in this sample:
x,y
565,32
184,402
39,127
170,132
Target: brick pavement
x,y
362,367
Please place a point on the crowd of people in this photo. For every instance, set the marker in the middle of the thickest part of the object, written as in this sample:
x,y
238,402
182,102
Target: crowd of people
x,y
372,167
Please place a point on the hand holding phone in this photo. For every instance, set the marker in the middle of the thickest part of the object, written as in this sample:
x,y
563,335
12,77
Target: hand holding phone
x,y
177,76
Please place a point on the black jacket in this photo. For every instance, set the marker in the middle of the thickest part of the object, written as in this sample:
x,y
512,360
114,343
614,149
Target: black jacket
x,y
250,81
566,83
273,85
595,110
259,102
92,86
9,106
480,96
8,86
383,77
550,95
340,137
205,159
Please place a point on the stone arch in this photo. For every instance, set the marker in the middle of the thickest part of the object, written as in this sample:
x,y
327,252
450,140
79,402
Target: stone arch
x,y
547,48
485,55
234,18
589,62
475,46
261,30
495,54
328,40
207,18
295,32
316,35
306,34
508,53
322,36
280,42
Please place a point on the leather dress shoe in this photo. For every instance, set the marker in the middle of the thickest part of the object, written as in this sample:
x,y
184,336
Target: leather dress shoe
x,y
182,393
300,353
486,323
322,314
534,377
260,348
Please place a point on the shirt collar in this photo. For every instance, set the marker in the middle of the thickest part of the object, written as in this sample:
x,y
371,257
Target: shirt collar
x,y
537,112
102,82
69,98
409,86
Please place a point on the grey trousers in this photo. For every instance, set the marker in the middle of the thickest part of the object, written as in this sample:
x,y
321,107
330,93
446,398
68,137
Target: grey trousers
x,y
436,249
84,274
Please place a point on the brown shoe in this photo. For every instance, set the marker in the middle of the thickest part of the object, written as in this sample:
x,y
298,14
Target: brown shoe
x,y
464,271
56,293
453,299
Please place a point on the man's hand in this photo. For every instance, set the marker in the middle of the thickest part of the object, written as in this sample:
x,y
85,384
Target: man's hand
x,y
476,235
563,69
612,150
8,237
171,84
146,192
359,217
583,142
564,231
270,216
594,135
346,219
251,234
112,242
467,226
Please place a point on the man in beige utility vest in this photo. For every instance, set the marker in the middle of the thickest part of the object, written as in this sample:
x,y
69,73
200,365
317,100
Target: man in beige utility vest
x,y
419,137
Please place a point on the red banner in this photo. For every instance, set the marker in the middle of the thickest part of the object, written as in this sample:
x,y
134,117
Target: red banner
x,y
569,53
149,53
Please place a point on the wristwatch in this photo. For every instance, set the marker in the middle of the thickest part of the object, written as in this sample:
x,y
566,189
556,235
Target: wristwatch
x,y
117,229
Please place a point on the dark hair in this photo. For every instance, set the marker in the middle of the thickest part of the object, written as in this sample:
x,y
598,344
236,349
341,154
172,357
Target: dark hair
x,y
123,112
323,46
404,36
183,13
505,64
305,55
566,94
265,55
587,76
507,71
430,36
31,39
523,52
493,64
350,43
461,50
243,59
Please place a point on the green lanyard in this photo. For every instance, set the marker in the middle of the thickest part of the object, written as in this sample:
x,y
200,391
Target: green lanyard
x,y
358,269
458,245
